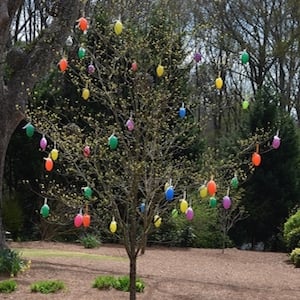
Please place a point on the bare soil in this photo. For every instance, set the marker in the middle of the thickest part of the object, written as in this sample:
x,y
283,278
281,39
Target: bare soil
x,y
169,273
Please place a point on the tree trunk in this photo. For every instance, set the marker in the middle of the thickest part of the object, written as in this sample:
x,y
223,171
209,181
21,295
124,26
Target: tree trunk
x,y
132,287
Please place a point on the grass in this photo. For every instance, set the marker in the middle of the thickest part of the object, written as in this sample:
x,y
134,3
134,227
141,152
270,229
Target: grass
x,y
47,286
7,286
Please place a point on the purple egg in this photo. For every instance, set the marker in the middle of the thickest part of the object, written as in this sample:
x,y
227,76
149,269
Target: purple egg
x,y
276,142
130,124
91,69
189,214
197,57
43,143
226,202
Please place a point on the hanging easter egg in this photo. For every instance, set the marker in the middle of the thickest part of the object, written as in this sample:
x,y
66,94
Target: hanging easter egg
x,y
48,164
276,142
256,159
43,143
245,104
234,182
197,57
29,129
157,221
113,142
118,27
142,207
189,214
113,226
85,93
86,220
203,191
226,202
81,52
169,193
160,70
45,210
219,83
54,154
211,187
183,206
91,68
134,66
212,202
87,151
182,111
130,124
174,213
83,24
69,41
244,57
87,191
78,220
63,64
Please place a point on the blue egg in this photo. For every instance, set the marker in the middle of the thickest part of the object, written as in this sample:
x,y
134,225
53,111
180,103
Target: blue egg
x,y
182,112
169,193
142,207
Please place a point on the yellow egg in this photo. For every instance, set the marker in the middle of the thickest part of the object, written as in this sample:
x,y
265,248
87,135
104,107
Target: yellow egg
x,y
118,28
203,191
54,154
166,185
219,83
160,70
183,205
157,221
113,226
85,93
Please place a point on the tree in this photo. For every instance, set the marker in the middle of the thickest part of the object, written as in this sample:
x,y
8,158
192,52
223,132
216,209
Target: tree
x,y
21,68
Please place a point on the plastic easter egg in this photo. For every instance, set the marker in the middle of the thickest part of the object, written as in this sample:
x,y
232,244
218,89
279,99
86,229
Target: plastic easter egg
x,y
81,52
234,182
78,220
169,193
113,226
69,41
245,57
197,57
134,66
91,68
211,187
48,164
113,142
157,221
83,24
85,93
54,154
45,210
189,214
87,151
212,202
142,207
203,191
63,64
245,104
183,206
118,27
130,124
167,184
160,70
29,128
43,143
256,159
226,202
87,191
174,213
219,83
86,220
182,112
276,142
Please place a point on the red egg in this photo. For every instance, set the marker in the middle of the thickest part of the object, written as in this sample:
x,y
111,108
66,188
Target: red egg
x,y
48,164
63,65
83,24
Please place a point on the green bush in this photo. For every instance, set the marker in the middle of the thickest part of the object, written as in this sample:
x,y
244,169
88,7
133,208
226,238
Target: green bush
x,y
90,241
11,262
7,286
47,286
295,257
119,283
291,231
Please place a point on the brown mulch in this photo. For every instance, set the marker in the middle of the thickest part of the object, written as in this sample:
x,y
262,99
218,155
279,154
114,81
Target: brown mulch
x,y
169,273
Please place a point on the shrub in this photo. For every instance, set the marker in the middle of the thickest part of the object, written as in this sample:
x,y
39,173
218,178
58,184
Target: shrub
x,y
291,232
295,257
11,262
90,241
119,283
47,286
7,286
